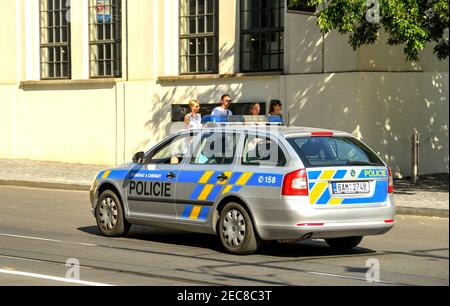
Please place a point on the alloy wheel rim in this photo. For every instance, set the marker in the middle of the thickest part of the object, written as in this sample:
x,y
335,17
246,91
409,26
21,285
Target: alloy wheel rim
x,y
234,228
108,214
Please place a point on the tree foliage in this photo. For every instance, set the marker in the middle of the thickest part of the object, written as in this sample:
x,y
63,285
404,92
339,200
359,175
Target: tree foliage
x,y
411,23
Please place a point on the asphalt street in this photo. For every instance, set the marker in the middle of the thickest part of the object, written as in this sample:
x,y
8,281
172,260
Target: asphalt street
x,y
40,230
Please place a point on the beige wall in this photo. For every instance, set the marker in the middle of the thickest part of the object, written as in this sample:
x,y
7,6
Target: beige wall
x,y
382,57
140,117
339,55
140,51
7,117
229,29
307,51
382,109
8,43
56,126
303,44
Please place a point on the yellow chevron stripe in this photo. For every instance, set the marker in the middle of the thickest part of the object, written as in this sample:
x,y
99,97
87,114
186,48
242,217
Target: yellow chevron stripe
x,y
205,178
196,212
244,178
106,174
328,175
317,192
227,189
335,201
205,192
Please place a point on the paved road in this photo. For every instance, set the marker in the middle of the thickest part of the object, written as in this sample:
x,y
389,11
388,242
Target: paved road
x,y
41,229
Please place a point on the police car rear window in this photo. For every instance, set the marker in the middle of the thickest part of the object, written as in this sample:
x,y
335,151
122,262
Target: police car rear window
x,y
333,151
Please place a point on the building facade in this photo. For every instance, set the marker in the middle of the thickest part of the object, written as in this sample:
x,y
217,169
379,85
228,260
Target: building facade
x,y
94,81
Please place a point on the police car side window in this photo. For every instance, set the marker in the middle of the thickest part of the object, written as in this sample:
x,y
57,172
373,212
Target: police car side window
x,y
173,152
215,149
262,151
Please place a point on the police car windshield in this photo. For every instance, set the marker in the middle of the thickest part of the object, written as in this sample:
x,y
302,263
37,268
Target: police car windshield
x,y
333,151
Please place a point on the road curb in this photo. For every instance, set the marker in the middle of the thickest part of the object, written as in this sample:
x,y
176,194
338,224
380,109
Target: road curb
x,y
45,185
422,211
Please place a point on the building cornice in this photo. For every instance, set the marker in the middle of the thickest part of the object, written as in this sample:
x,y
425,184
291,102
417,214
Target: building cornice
x,y
67,82
219,76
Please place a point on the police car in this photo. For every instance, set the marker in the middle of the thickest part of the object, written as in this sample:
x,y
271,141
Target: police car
x,y
248,183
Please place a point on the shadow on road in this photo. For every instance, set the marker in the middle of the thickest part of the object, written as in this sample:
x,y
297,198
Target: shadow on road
x,y
310,248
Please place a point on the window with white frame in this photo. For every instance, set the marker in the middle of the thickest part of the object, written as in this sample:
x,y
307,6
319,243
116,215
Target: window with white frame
x,y
105,38
55,57
262,35
198,36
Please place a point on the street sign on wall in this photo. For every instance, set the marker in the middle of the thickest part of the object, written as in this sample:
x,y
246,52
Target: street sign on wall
x,y
103,11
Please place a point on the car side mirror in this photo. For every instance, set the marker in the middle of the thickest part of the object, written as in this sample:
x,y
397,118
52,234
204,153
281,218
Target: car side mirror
x,y
139,158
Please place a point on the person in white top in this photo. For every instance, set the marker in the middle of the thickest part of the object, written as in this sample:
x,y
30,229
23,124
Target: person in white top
x,y
193,120
223,110
255,109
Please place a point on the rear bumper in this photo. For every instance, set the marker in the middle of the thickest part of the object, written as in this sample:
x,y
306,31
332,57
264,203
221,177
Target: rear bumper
x,y
331,230
293,220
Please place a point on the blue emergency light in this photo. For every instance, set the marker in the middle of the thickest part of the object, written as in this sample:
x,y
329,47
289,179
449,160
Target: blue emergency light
x,y
246,120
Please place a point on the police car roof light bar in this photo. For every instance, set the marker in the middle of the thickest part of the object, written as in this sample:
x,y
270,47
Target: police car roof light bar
x,y
242,120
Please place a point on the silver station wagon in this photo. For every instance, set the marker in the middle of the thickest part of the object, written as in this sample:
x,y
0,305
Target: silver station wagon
x,y
250,183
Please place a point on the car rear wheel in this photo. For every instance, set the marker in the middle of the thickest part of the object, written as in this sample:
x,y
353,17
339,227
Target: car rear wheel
x,y
236,231
346,243
110,216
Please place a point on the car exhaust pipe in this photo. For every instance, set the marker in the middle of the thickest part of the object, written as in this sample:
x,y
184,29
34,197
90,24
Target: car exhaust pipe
x,y
289,241
306,237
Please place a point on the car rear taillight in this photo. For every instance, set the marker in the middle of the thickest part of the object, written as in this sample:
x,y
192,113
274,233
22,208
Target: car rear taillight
x,y
296,183
322,134
391,182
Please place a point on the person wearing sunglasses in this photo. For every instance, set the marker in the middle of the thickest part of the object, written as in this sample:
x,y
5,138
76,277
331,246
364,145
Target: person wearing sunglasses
x,y
223,110
193,120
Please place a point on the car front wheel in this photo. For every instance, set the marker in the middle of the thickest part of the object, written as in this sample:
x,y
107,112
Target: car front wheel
x,y
110,215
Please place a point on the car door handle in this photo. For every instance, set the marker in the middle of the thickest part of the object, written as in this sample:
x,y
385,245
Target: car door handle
x,y
222,177
171,175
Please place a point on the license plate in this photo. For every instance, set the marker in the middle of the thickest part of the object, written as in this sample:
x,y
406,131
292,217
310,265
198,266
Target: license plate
x,y
351,188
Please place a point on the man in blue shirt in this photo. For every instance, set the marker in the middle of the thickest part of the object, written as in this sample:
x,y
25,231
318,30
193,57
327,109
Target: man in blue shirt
x,y
223,110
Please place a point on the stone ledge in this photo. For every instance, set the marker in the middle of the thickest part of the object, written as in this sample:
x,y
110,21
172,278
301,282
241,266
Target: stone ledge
x,y
43,83
218,76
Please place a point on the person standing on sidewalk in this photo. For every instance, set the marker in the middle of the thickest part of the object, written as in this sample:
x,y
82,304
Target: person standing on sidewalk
x,y
223,110
193,120
275,108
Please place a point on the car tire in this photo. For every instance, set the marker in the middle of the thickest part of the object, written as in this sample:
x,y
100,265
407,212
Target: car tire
x,y
110,216
236,231
346,243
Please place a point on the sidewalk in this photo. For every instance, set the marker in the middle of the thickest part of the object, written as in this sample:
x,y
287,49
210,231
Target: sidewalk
x,y
47,175
429,198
